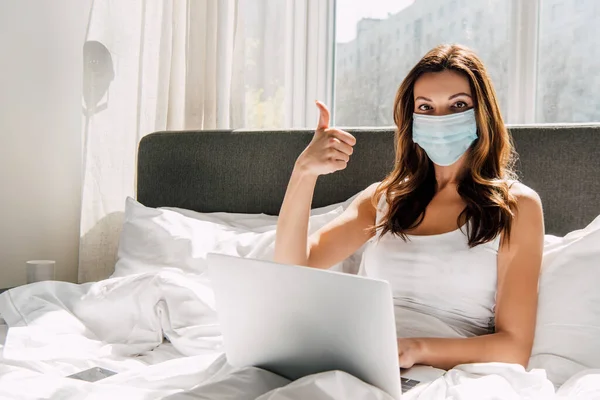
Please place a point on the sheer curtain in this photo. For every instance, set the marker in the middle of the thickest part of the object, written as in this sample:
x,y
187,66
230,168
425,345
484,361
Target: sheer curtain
x,y
188,64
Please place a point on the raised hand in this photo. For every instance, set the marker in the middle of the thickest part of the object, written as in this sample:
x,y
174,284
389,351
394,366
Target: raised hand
x,y
329,150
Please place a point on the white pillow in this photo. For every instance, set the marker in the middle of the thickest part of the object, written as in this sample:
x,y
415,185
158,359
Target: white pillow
x,y
567,338
254,222
264,223
157,238
326,209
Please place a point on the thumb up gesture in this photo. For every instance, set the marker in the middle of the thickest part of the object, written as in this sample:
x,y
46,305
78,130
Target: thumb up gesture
x,y
329,150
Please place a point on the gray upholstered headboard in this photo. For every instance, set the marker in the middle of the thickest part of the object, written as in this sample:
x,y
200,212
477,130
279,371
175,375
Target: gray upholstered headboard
x,y
247,171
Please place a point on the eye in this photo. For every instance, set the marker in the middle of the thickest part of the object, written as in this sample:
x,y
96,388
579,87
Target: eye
x,y
425,107
460,104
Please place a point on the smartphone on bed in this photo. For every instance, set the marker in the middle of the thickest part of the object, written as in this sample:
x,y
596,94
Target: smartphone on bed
x,y
92,374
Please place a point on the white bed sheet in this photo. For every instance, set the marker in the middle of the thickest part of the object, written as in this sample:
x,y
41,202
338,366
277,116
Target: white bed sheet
x,y
119,324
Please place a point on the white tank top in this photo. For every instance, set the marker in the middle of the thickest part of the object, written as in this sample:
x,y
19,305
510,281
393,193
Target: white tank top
x,y
441,287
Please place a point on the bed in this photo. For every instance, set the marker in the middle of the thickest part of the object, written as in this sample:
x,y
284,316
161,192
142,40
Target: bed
x,y
154,323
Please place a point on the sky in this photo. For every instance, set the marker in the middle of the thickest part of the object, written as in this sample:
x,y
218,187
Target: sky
x,y
349,12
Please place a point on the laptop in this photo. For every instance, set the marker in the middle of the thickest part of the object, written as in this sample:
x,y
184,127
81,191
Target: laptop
x,y
297,321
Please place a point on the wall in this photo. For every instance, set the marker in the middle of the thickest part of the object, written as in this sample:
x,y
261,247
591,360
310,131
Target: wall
x,y
40,134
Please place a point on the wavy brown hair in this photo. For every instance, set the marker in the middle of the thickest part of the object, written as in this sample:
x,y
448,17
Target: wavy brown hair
x,y
485,182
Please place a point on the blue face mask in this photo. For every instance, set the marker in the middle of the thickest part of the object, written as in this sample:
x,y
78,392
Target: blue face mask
x,y
445,138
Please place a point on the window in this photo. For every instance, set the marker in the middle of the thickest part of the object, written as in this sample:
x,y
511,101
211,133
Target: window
x,y
555,12
565,89
418,31
568,83
369,98
418,34
478,19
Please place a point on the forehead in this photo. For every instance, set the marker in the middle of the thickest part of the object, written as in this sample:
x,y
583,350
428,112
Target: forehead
x,y
442,83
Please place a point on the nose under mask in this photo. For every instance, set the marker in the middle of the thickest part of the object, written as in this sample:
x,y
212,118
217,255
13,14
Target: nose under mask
x,y
445,138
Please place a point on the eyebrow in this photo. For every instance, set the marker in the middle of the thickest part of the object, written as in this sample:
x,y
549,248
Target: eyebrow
x,y
449,98
459,94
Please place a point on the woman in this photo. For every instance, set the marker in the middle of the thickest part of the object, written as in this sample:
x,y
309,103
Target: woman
x,y
457,237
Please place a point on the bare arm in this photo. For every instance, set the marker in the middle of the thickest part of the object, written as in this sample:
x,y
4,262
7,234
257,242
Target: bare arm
x,y
519,262
340,238
329,151
292,225
335,241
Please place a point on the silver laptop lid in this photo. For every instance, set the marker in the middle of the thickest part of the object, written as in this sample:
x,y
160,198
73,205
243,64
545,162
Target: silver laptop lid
x,y
297,321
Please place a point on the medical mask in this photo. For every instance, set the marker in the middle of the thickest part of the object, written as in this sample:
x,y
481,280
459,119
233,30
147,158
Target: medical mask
x,y
445,138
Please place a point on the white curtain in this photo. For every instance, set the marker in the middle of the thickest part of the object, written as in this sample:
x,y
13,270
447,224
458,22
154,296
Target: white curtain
x,y
152,65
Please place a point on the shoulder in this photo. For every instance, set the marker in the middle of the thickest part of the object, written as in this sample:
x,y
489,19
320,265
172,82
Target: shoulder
x,y
366,201
528,214
527,199
370,194
367,196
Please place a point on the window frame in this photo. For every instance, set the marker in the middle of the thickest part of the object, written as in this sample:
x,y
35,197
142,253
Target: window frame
x,y
523,61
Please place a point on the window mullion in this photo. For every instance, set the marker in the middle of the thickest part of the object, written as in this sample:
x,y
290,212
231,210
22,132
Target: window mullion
x,y
522,61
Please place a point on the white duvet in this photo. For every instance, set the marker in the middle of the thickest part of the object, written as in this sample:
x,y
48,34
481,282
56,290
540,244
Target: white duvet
x,y
58,328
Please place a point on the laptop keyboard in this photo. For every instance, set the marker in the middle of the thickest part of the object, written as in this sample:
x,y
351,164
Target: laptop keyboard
x,y
408,384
